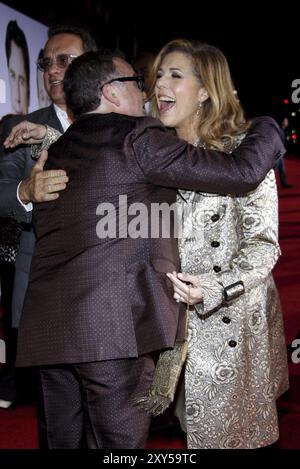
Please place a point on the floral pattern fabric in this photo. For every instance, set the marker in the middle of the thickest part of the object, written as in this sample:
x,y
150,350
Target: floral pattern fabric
x,y
236,366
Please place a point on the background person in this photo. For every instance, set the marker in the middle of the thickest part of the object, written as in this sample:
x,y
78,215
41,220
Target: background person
x,y
142,64
10,231
280,166
43,98
23,181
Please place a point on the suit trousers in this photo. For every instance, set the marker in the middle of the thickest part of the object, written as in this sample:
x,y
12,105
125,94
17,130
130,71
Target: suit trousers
x,y
7,371
17,385
90,404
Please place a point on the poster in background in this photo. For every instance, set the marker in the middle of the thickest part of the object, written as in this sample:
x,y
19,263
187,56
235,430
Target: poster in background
x,y
35,35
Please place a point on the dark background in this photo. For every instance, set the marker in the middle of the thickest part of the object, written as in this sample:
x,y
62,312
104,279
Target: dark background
x,y
259,39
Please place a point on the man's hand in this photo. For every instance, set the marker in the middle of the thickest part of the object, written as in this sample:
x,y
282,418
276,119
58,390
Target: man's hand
x,y
42,186
25,133
187,288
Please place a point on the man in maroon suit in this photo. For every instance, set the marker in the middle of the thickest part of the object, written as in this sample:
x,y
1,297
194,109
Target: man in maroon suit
x,y
97,308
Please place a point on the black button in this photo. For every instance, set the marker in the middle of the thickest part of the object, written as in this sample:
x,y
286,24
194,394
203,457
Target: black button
x,y
217,268
215,217
232,343
226,319
215,244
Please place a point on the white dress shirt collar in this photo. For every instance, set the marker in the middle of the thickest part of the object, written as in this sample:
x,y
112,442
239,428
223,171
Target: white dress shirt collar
x,y
62,116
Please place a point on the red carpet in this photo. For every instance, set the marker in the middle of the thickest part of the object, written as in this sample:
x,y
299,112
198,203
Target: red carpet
x,y
287,275
18,427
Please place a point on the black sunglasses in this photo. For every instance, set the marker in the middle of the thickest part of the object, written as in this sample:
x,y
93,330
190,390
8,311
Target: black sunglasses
x,y
61,60
139,81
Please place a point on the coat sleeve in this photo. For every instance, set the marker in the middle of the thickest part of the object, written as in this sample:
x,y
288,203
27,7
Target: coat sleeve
x,y
51,136
168,161
13,169
257,227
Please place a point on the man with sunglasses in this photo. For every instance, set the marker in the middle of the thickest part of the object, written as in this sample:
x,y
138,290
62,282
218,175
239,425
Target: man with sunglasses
x,y
23,182
104,301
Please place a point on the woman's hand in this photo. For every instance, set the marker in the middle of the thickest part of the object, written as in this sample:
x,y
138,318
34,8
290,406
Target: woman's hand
x,y
187,288
25,133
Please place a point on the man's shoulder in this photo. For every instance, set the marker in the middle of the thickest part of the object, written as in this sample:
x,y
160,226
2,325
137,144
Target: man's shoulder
x,y
140,121
46,115
35,116
41,115
138,125
113,122
113,117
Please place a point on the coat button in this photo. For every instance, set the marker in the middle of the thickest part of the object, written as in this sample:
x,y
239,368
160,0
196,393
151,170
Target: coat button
x,y
232,343
217,268
215,217
226,320
215,244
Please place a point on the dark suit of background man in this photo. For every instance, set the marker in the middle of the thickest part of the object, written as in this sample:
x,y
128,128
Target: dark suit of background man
x,y
97,308
20,184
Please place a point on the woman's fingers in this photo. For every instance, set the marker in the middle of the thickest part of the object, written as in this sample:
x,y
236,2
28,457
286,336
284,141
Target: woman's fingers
x,y
181,286
192,279
181,290
187,293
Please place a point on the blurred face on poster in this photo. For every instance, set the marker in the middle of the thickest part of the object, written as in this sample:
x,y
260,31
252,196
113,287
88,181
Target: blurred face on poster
x,y
18,81
17,57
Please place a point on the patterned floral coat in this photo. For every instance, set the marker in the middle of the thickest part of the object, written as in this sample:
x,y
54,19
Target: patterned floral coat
x,y
236,366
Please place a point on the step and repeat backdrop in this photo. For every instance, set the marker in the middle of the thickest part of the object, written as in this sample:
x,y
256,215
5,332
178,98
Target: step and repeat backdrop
x,y
21,84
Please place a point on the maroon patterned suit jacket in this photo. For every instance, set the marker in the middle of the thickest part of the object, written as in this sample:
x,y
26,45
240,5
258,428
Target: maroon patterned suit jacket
x,y
92,299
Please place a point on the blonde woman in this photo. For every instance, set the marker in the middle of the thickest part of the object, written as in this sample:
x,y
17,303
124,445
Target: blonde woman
x,y
236,366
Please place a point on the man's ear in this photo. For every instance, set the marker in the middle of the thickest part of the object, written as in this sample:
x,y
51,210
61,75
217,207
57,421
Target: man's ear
x,y
110,93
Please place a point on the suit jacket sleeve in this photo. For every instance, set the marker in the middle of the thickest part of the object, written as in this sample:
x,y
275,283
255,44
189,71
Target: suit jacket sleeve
x,y
259,249
12,171
168,161
52,135
16,165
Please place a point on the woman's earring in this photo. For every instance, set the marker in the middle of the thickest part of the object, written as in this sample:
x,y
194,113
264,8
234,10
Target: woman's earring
x,y
199,109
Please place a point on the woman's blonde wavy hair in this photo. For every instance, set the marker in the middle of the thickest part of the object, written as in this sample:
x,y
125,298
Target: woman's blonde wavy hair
x,y
221,116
